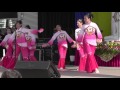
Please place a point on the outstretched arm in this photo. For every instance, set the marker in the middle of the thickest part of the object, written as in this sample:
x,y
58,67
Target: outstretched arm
x,y
50,42
4,41
37,31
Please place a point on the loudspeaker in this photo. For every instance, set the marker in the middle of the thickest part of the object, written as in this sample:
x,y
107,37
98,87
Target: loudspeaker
x,y
42,69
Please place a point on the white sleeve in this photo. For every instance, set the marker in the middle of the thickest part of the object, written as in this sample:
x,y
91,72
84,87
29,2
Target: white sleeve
x,y
53,38
6,38
76,35
98,32
13,36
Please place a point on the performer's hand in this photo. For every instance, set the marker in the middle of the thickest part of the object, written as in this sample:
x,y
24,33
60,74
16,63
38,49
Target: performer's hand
x,y
81,44
30,48
44,45
73,46
99,41
74,42
41,30
6,46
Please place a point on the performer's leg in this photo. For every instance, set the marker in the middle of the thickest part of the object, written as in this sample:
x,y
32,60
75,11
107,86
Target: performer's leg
x,y
82,62
77,58
63,57
13,61
31,55
91,64
7,57
62,53
93,48
25,52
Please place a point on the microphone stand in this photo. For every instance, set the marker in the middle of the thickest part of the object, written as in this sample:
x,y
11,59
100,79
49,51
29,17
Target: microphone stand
x,y
15,45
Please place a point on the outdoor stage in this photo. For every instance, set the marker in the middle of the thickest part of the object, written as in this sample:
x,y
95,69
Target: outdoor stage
x,y
105,72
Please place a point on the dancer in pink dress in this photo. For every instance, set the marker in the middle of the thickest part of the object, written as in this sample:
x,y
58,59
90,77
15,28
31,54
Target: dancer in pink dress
x,y
62,38
77,31
31,43
20,43
88,40
9,48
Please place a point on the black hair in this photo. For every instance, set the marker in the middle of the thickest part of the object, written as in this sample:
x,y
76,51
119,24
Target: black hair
x,y
7,29
19,21
89,15
58,25
10,29
28,27
80,20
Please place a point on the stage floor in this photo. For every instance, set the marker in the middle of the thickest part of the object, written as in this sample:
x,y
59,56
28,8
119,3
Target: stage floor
x,y
105,72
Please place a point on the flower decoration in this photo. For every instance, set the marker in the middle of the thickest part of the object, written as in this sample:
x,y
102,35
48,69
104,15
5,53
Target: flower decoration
x,y
107,50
